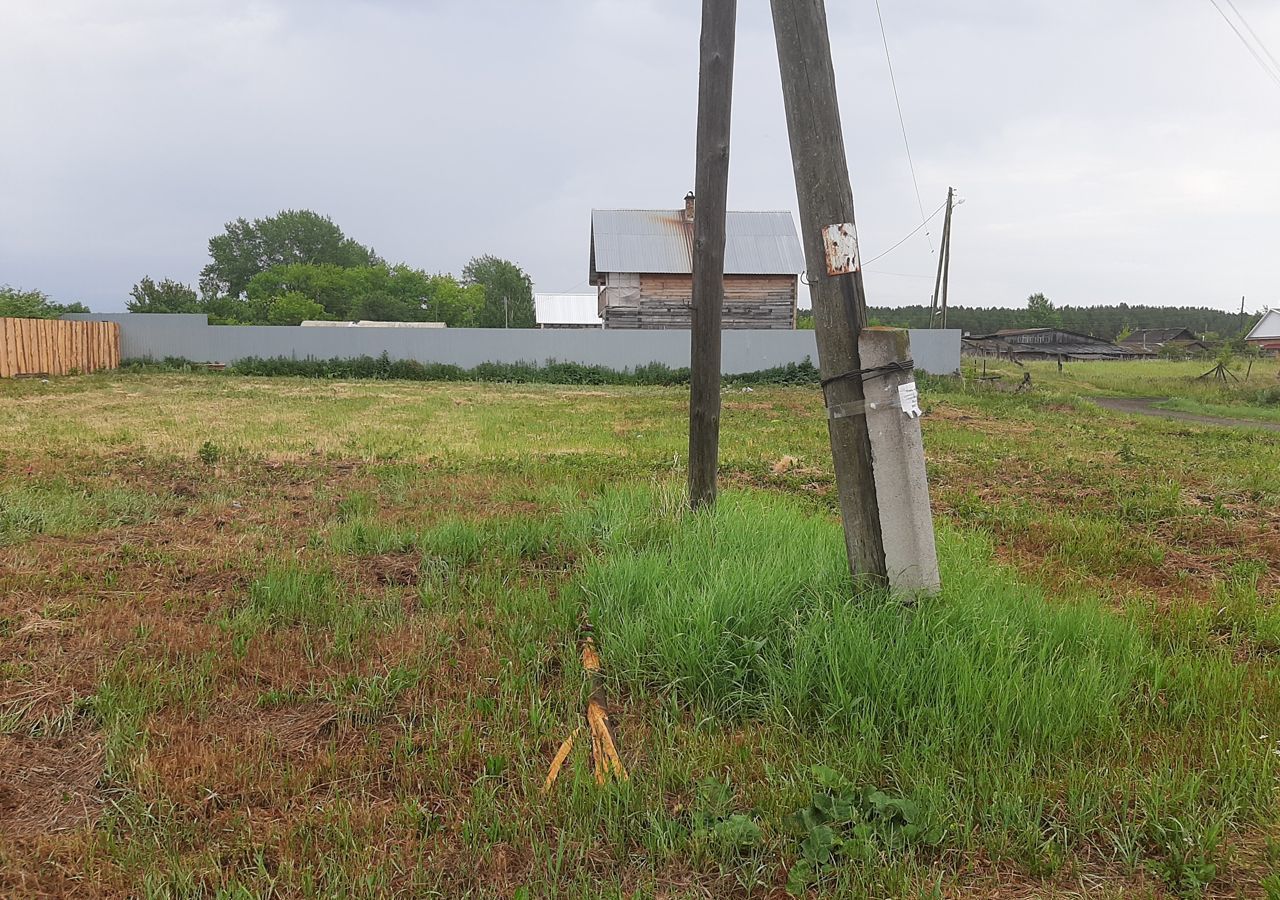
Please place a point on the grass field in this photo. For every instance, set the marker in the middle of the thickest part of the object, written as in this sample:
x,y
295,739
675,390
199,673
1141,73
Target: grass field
x,y
291,638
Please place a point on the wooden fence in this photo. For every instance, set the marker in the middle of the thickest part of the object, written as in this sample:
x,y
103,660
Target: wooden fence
x,y
57,347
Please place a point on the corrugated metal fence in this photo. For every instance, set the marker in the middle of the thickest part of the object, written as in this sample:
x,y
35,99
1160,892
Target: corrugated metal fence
x,y
191,337
57,347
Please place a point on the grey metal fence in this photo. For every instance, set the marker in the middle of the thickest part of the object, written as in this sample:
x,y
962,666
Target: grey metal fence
x,y
154,336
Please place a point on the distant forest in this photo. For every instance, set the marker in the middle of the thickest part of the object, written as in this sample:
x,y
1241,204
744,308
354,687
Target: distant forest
x,y
1106,322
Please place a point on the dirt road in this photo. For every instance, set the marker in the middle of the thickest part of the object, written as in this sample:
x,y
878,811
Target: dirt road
x,y
1147,408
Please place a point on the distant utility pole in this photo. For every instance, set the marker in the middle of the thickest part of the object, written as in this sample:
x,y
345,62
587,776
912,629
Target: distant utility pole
x,y
834,266
711,189
938,318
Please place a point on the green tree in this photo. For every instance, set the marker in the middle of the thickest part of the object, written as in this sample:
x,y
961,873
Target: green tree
x,y
167,296
331,286
508,292
294,309
379,306
19,304
378,293
455,304
246,249
1041,312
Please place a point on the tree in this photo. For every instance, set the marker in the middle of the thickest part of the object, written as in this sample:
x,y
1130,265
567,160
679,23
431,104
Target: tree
x,y
457,305
246,249
294,309
380,306
378,293
166,297
1041,313
329,285
508,292
19,304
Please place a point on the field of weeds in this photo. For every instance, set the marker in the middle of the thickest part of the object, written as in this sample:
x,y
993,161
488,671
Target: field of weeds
x,y
293,638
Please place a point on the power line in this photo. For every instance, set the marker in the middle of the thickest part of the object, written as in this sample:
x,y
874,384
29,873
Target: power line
x,y
924,221
902,121
1275,76
1245,22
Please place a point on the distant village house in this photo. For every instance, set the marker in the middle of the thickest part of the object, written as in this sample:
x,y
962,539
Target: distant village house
x,y
642,264
1020,344
1266,334
1152,341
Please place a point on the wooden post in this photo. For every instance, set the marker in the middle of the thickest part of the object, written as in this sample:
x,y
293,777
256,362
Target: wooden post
x,y
711,189
946,259
839,302
942,258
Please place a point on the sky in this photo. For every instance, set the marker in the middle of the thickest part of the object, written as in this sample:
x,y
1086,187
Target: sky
x,y
1106,152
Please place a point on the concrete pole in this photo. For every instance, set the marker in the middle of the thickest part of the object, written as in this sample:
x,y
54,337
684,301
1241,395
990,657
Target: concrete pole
x,y
897,453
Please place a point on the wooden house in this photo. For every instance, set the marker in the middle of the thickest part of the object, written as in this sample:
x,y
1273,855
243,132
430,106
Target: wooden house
x,y
1151,341
1019,344
1266,334
642,265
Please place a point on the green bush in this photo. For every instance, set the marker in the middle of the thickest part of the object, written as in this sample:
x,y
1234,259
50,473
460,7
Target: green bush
x,y
383,368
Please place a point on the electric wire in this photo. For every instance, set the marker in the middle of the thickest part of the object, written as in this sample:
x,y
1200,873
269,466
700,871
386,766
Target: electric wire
x,y
902,121
1271,56
1275,76
924,221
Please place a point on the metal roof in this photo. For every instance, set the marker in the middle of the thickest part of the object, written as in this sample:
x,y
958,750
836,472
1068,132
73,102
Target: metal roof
x,y
661,241
567,309
1159,335
1268,327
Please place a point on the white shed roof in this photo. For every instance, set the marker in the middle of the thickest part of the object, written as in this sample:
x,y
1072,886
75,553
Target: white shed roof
x,y
567,309
1268,327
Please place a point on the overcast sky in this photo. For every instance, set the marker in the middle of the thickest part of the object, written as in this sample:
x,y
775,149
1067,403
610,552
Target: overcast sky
x,y
1107,151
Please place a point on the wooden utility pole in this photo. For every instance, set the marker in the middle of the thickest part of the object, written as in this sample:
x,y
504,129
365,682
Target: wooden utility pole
x,y
944,261
946,265
839,301
711,189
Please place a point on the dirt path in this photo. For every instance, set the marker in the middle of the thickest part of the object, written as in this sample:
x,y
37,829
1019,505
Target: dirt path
x,y
1144,407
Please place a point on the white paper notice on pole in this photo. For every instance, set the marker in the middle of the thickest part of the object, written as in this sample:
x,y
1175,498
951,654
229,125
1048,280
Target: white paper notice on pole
x,y
909,399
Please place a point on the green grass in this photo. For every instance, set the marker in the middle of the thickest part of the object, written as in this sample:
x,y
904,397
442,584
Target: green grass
x,y
1264,406
58,507
963,702
290,596
748,612
1158,379
315,638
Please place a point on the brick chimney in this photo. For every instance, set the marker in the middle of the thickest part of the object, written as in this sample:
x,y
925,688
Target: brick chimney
x,y
688,207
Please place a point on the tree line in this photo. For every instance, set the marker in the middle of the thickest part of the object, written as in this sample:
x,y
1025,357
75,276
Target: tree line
x,y
298,265
19,304
1109,322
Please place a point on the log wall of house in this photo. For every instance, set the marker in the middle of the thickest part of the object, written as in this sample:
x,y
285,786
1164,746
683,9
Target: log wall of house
x,y
665,301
